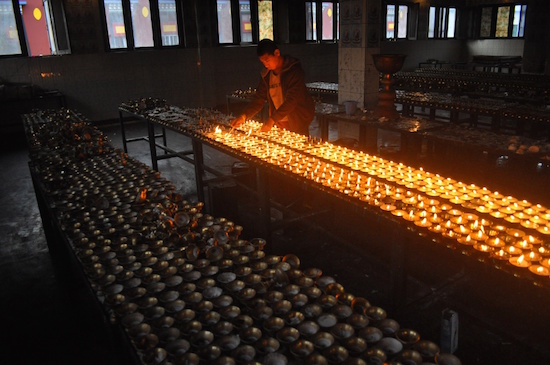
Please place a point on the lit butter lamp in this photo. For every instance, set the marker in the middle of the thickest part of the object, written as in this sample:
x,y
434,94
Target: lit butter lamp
x,y
520,261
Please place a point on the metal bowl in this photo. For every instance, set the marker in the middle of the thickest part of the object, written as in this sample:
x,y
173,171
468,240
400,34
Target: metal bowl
x,y
267,345
358,321
336,354
282,307
210,318
244,353
355,345
178,347
287,335
390,345
250,334
308,328
342,331
410,357
132,319
375,313
360,305
139,330
323,340
209,353
185,315
294,318
427,349
228,342
223,328
292,260
168,296
371,334
163,322
407,336
388,326
447,359
301,348
202,338
375,356
327,320
222,301
312,310
274,324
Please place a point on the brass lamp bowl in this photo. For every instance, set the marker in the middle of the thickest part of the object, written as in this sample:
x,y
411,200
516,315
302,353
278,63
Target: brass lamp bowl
x,y
388,63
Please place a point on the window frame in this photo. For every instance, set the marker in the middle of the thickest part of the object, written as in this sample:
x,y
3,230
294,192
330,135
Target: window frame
x,y
384,22
57,30
154,12
442,13
494,14
318,35
236,23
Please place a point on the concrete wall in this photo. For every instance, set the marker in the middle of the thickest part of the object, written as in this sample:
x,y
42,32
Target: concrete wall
x,y
452,50
95,84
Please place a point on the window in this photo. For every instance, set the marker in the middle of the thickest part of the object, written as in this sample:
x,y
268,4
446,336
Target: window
x,y
168,23
245,21
441,22
141,23
254,19
518,22
503,21
225,24
265,19
311,21
396,21
322,17
328,21
37,29
9,41
115,24
129,23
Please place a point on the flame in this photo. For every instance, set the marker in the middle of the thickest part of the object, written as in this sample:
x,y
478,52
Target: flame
x,y
249,132
217,130
520,259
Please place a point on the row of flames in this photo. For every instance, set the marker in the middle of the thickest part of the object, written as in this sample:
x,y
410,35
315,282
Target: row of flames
x,y
441,205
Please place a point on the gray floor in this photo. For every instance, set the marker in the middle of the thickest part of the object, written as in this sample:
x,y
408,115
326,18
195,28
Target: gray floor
x,y
51,318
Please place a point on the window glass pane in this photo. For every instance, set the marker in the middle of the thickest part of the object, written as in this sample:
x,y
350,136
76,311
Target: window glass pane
x,y
515,20
503,17
311,21
390,21
328,17
141,22
518,23
115,24
225,25
486,15
431,23
338,21
168,23
402,22
265,18
442,22
246,24
9,36
452,23
36,28
522,21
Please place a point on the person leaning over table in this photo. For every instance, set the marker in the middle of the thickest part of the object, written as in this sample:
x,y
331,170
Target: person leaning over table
x,y
282,85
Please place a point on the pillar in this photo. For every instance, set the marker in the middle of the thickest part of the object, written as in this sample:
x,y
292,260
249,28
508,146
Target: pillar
x,y
358,79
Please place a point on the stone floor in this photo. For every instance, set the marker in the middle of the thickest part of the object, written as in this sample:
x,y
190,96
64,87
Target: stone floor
x,y
49,316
